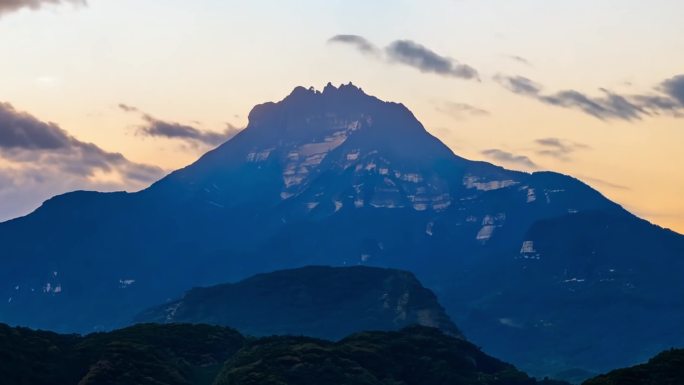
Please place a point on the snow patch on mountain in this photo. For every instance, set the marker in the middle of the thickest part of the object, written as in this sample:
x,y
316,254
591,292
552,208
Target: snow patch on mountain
x,y
474,182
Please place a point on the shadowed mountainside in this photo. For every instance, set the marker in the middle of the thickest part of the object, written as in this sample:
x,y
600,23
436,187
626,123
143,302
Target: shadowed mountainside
x,y
316,301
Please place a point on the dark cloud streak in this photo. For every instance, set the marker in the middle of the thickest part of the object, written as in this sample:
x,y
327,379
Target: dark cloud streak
x,y
604,183
411,54
359,42
507,157
675,88
608,106
519,85
558,148
7,6
420,57
172,130
520,59
19,130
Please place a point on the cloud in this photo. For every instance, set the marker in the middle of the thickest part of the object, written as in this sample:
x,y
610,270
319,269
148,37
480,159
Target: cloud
x,y
127,108
507,157
668,99
519,85
519,59
26,139
610,106
173,130
23,131
674,87
604,183
425,60
411,54
39,159
7,6
461,110
558,148
359,42
159,128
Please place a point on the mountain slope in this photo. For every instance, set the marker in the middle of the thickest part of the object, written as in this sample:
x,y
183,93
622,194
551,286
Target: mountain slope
x,y
322,302
342,178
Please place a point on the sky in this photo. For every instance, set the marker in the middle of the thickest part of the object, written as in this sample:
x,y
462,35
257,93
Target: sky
x,y
113,94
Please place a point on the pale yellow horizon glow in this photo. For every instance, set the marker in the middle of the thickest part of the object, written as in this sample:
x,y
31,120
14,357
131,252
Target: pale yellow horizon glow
x,y
206,63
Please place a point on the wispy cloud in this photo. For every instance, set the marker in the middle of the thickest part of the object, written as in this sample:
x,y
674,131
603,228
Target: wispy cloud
x,y
519,59
519,85
172,130
7,6
359,42
604,183
558,148
462,110
668,97
411,54
425,60
509,158
609,106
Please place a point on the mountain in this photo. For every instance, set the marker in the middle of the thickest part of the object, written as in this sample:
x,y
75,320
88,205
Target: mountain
x,y
667,368
141,355
338,177
183,354
316,301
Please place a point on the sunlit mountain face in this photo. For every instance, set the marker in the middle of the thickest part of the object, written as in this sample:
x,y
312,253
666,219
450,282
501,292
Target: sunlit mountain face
x,y
539,269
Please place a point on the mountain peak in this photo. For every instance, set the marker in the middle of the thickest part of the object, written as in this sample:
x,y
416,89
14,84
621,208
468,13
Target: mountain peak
x,y
328,90
303,103
312,110
311,132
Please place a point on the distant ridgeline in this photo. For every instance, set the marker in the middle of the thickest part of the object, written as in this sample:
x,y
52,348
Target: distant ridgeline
x,y
340,178
316,301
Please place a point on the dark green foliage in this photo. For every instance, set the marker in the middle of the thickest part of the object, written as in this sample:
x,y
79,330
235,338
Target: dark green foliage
x,y
37,357
667,368
183,354
142,354
414,356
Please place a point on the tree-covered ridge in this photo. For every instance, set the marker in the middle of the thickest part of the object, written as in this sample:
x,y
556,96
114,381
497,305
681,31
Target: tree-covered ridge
x,y
413,356
141,354
667,368
184,354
